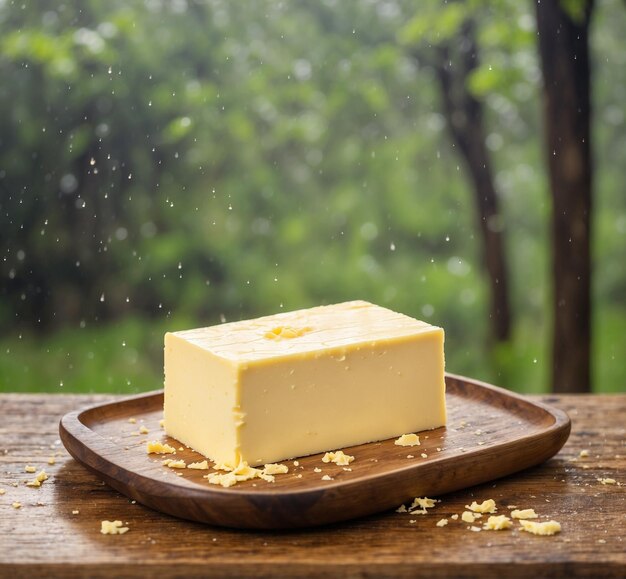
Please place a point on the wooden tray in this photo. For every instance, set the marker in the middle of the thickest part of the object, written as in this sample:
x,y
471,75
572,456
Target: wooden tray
x,y
491,433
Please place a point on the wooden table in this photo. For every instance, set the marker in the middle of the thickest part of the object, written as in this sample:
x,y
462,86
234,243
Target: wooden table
x,y
56,531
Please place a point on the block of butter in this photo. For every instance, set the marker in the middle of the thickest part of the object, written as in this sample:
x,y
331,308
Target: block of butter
x,y
302,382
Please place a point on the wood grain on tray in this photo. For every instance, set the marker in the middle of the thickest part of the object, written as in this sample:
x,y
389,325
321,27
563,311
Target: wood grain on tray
x,y
490,433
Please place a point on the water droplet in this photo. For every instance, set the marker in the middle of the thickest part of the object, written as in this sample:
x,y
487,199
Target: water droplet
x,y
392,246
102,297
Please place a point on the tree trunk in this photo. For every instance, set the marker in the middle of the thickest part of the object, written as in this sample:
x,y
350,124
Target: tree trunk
x,y
464,116
564,53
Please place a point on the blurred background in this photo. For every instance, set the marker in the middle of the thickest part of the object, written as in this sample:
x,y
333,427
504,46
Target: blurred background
x,y
175,164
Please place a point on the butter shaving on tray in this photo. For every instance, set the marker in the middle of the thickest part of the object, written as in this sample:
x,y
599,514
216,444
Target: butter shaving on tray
x,y
338,457
243,472
112,528
488,506
497,523
524,514
156,447
408,440
547,528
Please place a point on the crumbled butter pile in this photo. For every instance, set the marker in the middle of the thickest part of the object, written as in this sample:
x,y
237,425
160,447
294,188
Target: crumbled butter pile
x,y
408,440
39,478
168,462
112,528
156,447
275,469
547,528
243,472
338,458
488,506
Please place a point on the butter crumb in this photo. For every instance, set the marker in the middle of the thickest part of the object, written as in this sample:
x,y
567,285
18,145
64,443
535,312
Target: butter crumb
x,y
326,477
442,522
547,528
607,481
410,456
204,465
51,460
583,453
420,505
316,469
408,440
497,523
401,509
162,423
156,447
29,468
424,455
338,457
143,429
2,491
36,482
275,469
488,506
16,505
132,420
168,462
474,528
454,517
469,517
524,514
112,528
75,512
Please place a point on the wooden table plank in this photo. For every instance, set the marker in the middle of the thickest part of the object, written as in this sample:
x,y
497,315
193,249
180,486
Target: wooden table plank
x,y
44,538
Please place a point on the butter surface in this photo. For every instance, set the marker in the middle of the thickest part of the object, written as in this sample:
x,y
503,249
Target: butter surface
x,y
303,382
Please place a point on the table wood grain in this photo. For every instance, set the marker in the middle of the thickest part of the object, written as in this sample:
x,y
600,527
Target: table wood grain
x,y
46,537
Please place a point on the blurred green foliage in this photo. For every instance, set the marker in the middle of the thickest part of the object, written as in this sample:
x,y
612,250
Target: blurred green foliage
x,y
166,165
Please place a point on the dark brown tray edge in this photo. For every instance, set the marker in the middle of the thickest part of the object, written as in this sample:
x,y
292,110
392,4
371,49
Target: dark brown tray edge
x,y
396,487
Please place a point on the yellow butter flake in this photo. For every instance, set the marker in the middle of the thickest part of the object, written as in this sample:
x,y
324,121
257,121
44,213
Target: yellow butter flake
x,y
424,455
547,528
132,420
317,469
497,523
36,482
29,468
2,491
442,522
338,457
51,460
75,512
524,514
241,472
326,477
607,481
474,528
16,505
422,504
162,423
408,440
275,469
488,506
112,528
402,509
583,453
454,517
143,430
174,463
469,517
227,479
204,465
156,447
